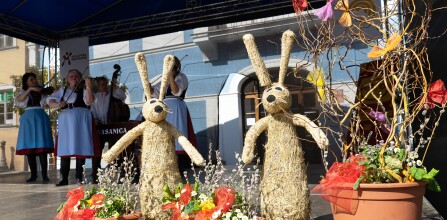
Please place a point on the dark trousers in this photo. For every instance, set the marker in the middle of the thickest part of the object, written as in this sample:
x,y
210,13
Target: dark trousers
x,y
33,164
65,168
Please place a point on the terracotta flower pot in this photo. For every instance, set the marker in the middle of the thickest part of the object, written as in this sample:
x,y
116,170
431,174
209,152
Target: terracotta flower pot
x,y
381,201
136,215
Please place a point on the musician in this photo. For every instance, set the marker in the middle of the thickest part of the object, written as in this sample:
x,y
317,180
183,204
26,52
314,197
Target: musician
x,y
100,110
35,138
178,111
100,106
75,125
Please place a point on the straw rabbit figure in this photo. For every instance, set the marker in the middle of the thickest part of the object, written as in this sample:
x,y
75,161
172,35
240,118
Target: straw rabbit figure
x,y
284,191
159,160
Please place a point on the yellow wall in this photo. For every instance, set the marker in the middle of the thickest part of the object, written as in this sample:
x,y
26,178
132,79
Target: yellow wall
x,y
12,62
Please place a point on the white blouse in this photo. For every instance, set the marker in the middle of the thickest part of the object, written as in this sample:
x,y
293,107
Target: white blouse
x,y
24,103
180,79
58,95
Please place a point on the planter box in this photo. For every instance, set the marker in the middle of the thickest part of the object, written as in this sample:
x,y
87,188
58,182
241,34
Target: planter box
x,y
396,201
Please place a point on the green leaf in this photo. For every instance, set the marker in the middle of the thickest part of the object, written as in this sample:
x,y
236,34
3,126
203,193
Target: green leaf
x,y
357,183
417,173
371,166
60,207
192,206
393,163
433,172
168,194
434,186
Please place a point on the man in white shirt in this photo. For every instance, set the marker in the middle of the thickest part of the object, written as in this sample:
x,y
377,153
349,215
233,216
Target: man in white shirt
x,y
102,98
100,110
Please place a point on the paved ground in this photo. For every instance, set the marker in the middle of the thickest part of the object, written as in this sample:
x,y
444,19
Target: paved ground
x,y
38,201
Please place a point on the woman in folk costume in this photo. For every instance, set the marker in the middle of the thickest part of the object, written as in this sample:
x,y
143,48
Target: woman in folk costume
x,y
178,110
76,136
34,137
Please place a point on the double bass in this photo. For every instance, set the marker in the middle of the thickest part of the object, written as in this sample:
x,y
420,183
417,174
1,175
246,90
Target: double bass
x,y
118,110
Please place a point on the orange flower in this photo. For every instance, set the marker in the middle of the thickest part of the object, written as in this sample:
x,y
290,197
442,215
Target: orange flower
x,y
391,43
345,19
97,199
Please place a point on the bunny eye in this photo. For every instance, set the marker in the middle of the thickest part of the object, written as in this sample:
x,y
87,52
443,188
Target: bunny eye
x,y
278,88
152,101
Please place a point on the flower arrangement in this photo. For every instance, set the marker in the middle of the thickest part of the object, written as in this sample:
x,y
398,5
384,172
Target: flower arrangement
x,y
115,196
216,193
381,108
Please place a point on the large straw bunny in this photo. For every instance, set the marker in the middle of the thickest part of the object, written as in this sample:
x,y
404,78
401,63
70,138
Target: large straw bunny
x,y
159,160
284,191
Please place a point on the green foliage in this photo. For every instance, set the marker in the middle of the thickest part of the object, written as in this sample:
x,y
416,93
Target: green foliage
x,y
422,175
399,161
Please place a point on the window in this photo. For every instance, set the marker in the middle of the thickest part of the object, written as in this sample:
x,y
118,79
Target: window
x,y
6,41
304,101
6,107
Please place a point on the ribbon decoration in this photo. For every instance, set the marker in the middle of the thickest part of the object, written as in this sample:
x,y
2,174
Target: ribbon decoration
x,y
325,13
299,5
345,19
316,77
391,44
437,93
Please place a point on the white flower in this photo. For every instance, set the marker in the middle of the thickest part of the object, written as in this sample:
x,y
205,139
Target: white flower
x,y
216,214
228,214
238,210
240,215
193,193
110,202
177,195
116,215
244,217
183,191
396,150
234,218
419,162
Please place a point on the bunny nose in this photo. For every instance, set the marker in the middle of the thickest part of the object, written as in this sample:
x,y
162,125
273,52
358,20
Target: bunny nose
x,y
158,109
271,98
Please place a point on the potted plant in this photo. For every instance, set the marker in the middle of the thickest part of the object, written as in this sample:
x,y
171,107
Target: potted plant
x,y
379,100
115,196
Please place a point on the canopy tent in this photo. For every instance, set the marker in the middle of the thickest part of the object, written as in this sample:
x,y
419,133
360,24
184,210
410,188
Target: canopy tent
x,y
104,21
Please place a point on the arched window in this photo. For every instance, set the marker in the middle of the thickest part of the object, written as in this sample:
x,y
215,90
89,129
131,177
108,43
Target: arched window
x,y
304,101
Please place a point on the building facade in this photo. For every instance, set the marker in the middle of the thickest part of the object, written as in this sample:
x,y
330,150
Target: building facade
x,y
15,56
223,95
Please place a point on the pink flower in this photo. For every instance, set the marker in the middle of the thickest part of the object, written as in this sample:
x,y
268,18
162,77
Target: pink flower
x,y
325,13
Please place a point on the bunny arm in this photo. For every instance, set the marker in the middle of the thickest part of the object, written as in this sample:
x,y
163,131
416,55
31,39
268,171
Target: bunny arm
x,y
250,138
317,134
123,142
192,152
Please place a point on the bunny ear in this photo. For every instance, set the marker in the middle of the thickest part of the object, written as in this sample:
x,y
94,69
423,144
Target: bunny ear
x,y
140,60
256,61
286,48
168,66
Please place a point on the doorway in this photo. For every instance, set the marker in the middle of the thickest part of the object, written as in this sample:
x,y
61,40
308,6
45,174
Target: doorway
x,y
304,101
